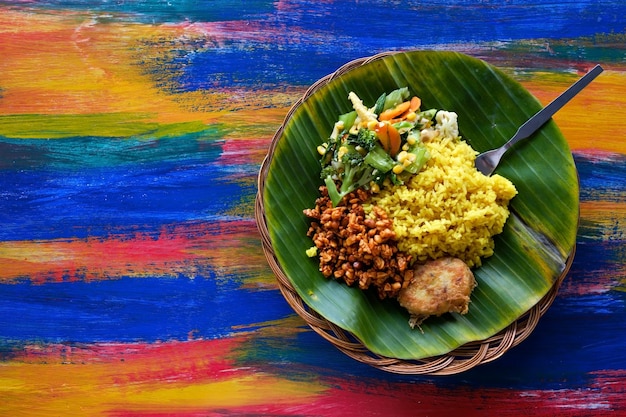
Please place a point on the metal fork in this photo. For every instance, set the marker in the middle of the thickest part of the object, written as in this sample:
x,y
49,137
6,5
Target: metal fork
x,y
487,162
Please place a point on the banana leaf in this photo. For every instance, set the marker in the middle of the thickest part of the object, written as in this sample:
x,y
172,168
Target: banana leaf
x,y
531,253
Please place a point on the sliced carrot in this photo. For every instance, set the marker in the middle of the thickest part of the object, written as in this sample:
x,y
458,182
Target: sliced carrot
x,y
394,140
416,102
382,132
395,111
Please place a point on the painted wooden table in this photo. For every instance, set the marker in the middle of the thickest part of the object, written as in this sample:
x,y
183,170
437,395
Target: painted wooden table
x,y
132,279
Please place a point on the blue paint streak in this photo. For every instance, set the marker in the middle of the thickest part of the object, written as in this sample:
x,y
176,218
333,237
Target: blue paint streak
x,y
554,356
418,20
314,42
602,177
80,187
132,309
577,336
255,64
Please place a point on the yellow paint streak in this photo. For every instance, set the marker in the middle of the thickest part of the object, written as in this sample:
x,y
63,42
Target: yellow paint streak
x,y
92,390
595,117
174,377
252,390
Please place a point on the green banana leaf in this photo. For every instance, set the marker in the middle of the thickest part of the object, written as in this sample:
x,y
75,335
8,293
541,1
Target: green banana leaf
x,y
531,253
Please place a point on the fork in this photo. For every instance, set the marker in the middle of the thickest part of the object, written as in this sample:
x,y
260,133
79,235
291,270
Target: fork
x,y
487,162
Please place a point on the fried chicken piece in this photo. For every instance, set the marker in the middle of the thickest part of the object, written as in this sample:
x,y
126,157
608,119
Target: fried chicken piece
x,y
438,287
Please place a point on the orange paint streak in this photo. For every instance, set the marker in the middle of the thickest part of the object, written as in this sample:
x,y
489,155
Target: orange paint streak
x,y
594,118
70,63
609,212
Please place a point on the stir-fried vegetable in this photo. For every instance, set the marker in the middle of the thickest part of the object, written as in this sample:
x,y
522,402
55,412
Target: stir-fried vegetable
x,y
372,146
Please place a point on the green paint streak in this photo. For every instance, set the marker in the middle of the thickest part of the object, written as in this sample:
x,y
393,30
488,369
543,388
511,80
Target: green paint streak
x,y
113,125
86,152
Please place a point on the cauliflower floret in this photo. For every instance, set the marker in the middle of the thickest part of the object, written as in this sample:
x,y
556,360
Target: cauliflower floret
x,y
447,123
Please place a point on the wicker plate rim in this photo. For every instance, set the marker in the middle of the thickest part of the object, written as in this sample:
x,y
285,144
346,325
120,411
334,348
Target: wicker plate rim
x,y
456,361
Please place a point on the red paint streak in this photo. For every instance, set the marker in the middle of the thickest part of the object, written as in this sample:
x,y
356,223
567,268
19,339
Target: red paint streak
x,y
243,151
93,258
188,248
599,155
594,281
128,363
604,396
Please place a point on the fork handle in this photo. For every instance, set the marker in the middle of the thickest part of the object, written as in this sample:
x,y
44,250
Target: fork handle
x,y
543,115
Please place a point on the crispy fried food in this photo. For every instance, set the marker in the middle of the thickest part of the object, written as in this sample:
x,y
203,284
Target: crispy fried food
x,y
355,248
440,286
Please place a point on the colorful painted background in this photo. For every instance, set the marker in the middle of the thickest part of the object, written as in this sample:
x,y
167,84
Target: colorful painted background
x,y
132,279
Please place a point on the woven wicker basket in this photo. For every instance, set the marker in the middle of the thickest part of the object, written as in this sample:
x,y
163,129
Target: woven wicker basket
x,y
459,360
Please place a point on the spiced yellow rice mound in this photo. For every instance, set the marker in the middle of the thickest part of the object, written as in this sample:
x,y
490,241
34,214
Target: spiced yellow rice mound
x,y
449,208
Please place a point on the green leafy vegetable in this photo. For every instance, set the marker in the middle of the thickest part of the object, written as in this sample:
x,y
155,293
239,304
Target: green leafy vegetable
x,y
396,97
362,151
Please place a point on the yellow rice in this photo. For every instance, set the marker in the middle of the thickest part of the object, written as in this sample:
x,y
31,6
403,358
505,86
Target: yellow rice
x,y
449,208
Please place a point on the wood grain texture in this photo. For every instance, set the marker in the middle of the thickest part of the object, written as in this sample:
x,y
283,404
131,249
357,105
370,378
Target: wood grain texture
x,y
132,280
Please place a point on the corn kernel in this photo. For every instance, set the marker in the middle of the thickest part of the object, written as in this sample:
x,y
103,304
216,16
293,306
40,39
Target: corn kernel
x,y
411,140
374,188
371,125
402,156
411,116
405,147
397,169
406,162
321,149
